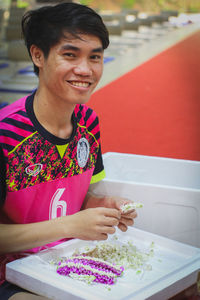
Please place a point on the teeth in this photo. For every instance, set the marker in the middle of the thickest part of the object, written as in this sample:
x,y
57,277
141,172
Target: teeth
x,y
80,84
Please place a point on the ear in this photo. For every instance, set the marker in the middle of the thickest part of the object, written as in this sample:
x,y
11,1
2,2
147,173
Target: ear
x,y
37,56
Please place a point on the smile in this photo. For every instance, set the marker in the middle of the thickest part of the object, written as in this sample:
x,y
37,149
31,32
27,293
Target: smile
x,y
80,84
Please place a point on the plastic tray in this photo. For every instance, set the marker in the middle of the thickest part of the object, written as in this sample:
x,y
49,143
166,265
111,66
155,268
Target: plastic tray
x,y
168,188
174,268
151,170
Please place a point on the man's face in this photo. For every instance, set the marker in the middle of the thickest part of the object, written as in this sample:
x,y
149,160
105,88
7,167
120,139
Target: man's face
x,y
73,68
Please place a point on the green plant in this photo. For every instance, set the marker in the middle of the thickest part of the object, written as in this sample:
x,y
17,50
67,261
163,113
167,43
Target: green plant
x,y
22,4
128,3
86,2
193,9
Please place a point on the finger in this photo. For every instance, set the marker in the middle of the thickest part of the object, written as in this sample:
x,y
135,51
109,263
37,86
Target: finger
x,y
110,230
131,215
103,237
100,237
128,212
112,212
120,202
122,227
110,221
127,222
107,230
104,220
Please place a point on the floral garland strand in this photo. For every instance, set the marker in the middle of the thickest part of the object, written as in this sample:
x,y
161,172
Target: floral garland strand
x,y
89,270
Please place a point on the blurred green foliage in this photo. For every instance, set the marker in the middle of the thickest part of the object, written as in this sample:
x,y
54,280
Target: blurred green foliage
x,y
148,5
128,3
86,2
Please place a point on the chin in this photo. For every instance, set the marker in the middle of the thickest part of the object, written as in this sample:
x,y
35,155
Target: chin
x,y
83,100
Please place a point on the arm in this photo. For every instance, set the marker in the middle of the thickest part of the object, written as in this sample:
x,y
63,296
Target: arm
x,y
20,237
90,224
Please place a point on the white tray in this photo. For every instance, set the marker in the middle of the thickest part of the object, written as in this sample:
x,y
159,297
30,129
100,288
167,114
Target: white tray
x,y
168,188
174,268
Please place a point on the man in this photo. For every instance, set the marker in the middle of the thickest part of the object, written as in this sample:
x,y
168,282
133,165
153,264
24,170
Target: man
x,y
50,142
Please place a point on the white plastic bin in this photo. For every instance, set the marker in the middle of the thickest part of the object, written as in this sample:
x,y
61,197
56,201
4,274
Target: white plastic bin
x,y
168,188
174,268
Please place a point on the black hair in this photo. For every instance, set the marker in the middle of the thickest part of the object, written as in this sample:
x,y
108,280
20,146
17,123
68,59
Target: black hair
x,y
45,26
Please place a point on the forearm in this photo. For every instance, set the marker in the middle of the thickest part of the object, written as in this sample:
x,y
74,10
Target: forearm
x,y
92,201
89,224
97,219
20,237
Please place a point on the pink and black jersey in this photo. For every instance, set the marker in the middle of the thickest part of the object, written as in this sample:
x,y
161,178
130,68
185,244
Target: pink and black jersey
x,y
46,176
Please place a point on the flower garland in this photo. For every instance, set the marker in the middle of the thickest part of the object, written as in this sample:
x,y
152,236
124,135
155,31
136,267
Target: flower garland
x,y
89,269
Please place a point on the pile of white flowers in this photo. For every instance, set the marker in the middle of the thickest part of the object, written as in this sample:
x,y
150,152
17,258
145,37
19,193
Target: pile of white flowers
x,y
120,254
124,255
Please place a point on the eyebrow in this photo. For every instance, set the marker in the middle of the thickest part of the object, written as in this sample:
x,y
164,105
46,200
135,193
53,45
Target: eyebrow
x,y
74,48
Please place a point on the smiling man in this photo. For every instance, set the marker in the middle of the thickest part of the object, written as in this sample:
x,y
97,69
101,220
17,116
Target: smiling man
x,y
50,149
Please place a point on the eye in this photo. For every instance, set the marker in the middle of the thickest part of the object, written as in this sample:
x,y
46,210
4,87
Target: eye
x,y
96,57
69,54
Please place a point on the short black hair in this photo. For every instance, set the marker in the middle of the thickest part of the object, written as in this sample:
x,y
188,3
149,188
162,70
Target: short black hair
x,y
45,26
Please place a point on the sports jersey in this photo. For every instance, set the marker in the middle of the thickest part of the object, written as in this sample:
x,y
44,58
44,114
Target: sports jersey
x,y
46,176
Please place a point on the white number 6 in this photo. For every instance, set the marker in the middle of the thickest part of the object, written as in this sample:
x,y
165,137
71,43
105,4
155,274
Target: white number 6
x,y
56,204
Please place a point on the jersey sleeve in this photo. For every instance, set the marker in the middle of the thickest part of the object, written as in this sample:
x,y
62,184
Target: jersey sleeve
x,y
99,172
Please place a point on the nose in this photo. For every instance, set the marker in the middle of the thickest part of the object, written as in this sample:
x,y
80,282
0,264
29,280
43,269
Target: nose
x,y
83,68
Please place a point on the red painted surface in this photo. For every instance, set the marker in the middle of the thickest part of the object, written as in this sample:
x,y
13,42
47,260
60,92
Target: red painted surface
x,y
155,108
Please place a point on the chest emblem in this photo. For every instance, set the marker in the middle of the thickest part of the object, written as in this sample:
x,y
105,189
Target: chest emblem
x,y
34,170
83,151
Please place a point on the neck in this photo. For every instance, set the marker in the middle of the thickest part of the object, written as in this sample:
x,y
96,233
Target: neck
x,y
53,114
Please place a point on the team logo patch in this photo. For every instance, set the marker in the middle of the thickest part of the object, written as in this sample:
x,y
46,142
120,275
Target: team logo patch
x,y
83,151
34,170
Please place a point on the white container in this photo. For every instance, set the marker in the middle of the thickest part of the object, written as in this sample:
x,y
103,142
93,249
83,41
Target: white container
x,y
168,188
174,268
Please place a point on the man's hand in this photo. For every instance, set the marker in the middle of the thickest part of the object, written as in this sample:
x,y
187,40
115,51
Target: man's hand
x,y
95,223
126,219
